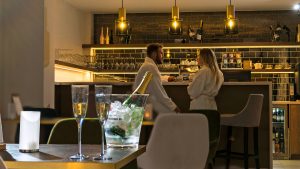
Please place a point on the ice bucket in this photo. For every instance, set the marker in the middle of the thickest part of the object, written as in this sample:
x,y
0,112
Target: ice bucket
x,y
123,126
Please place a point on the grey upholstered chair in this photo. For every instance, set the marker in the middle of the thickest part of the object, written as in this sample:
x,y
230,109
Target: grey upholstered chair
x,y
65,132
178,141
249,117
2,165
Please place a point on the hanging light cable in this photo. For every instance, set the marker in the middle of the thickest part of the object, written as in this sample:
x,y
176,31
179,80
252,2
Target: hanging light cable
x,y
175,23
231,23
121,24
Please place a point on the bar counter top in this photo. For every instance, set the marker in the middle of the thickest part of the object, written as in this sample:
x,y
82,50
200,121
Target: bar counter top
x,y
286,102
164,83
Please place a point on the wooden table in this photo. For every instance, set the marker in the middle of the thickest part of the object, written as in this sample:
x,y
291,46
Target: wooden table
x,y
56,156
53,120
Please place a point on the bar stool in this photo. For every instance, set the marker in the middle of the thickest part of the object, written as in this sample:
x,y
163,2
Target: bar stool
x,y
249,117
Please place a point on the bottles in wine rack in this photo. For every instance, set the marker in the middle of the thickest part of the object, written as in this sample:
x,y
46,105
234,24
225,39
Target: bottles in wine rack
x,y
278,115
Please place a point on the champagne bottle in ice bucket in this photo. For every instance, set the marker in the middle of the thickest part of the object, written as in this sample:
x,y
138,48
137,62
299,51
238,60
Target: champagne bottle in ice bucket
x,y
141,89
123,126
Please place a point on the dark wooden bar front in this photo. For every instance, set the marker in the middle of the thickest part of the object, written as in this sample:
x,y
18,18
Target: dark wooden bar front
x,y
231,99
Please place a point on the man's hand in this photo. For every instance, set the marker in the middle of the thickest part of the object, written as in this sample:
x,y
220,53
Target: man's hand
x,y
177,110
171,78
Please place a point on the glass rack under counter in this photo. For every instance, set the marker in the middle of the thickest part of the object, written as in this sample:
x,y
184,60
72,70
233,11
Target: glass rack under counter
x,y
285,129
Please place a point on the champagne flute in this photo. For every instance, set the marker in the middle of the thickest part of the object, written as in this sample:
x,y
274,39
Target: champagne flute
x,y
80,101
102,97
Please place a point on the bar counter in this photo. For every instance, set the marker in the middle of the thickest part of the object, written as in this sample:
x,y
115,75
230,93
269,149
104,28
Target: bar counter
x,y
232,98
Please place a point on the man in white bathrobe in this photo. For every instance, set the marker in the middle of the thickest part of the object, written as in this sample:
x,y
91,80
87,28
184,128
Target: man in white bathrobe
x,y
158,97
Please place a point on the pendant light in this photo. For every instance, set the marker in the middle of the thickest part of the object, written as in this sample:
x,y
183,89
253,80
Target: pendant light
x,y
175,23
297,8
122,26
231,23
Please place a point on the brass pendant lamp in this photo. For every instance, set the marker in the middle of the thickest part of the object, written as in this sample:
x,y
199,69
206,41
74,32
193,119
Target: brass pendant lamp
x,y
231,22
122,25
175,27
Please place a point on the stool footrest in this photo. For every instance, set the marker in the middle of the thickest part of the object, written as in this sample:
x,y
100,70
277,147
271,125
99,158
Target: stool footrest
x,y
222,153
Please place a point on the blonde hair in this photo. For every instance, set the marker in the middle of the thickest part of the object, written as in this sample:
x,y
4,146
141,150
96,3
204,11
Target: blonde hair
x,y
209,58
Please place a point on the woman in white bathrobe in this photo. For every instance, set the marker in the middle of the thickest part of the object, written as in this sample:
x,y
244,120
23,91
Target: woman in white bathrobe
x,y
206,82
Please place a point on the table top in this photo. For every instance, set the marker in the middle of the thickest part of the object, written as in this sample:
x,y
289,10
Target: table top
x,y
53,120
56,156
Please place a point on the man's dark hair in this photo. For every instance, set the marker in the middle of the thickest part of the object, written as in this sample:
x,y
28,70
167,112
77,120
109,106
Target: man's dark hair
x,y
153,48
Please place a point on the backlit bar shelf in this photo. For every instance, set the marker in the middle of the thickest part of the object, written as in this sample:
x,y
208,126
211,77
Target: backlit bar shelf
x,y
197,45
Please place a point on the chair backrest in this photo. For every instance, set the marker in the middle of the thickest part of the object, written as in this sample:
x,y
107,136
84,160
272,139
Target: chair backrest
x,y
65,132
18,104
250,115
2,165
177,141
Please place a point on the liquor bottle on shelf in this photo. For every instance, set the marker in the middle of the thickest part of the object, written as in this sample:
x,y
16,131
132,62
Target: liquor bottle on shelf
x,y
200,32
101,36
273,139
281,133
292,91
107,37
281,115
277,145
231,60
298,33
281,140
238,60
141,89
274,115
225,60
281,145
111,37
278,119
273,146
191,33
273,133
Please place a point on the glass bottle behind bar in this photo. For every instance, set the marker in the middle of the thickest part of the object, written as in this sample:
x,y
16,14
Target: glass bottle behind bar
x,y
111,39
200,32
107,37
101,36
140,89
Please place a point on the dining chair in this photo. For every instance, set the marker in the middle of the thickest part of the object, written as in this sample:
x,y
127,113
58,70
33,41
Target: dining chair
x,y
178,141
2,165
65,132
17,103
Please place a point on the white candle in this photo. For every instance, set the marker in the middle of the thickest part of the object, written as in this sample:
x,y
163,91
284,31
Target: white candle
x,y
29,131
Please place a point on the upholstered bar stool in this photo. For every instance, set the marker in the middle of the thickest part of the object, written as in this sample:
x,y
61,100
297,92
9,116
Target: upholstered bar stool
x,y
249,117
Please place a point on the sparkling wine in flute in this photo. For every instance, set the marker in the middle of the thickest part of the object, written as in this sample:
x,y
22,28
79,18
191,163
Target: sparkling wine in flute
x,y
102,111
79,103
79,110
141,89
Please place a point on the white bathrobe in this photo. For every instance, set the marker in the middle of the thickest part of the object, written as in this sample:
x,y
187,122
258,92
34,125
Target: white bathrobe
x,y
158,96
204,88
